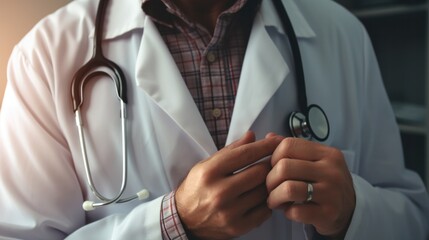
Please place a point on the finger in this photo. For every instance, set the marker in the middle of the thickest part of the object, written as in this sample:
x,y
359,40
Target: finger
x,y
257,216
247,137
249,178
247,221
252,199
231,160
289,191
308,213
328,219
292,169
297,148
271,134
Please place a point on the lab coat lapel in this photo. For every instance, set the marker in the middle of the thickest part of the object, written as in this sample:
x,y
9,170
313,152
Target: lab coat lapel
x,y
158,75
264,70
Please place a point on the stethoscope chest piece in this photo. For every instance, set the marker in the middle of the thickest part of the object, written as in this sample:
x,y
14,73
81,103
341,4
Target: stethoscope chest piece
x,y
312,124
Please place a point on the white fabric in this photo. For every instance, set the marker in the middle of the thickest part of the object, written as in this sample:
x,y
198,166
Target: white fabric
x,y
42,177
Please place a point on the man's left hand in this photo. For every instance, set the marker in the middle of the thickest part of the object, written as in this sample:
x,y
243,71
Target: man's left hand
x,y
297,163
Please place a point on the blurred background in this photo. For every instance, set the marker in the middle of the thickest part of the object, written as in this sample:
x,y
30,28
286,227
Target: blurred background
x,y
398,30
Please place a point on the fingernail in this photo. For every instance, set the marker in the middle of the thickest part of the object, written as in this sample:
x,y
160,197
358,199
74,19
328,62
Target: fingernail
x,y
270,135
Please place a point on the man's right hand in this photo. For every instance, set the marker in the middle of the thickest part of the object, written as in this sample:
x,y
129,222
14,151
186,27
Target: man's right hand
x,y
217,202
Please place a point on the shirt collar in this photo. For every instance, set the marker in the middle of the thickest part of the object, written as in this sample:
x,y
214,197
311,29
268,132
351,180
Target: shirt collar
x,y
125,16
163,11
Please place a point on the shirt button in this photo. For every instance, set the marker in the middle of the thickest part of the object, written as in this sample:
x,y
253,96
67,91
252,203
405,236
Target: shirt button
x,y
216,113
211,57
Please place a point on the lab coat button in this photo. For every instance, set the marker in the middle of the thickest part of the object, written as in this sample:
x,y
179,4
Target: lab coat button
x,y
216,112
211,57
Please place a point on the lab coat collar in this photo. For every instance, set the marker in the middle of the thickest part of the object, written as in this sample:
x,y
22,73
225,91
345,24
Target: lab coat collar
x,y
300,24
125,16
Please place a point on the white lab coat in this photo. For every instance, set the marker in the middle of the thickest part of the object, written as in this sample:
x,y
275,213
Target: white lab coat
x,y
42,176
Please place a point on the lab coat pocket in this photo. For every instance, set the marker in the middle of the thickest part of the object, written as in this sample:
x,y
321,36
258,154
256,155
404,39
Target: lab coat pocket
x,y
349,157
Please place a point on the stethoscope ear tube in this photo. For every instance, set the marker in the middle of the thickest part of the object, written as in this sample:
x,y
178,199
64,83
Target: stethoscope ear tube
x,y
293,41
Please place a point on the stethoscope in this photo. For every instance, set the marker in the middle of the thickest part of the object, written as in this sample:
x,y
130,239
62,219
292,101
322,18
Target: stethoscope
x,y
310,122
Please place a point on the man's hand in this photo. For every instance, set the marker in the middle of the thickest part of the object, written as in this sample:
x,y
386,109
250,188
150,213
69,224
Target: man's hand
x,y
297,162
217,202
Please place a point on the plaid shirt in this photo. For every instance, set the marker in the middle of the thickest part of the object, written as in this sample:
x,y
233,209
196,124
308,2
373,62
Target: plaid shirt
x,y
210,64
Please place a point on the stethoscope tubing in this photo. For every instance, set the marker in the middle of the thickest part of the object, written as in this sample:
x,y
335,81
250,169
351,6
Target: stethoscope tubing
x,y
293,41
89,177
87,72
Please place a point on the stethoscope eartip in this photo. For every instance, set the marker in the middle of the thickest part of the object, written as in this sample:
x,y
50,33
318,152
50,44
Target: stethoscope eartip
x,y
88,206
143,194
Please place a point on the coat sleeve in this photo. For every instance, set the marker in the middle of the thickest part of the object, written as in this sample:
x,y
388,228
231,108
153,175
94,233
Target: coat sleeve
x,y
41,195
391,201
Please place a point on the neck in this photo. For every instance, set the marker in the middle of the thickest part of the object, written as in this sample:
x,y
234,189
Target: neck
x,y
206,12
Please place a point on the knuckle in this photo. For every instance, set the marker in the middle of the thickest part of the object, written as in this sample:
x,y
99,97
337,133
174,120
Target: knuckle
x,y
224,218
203,176
284,166
288,188
270,203
218,198
287,144
199,168
203,173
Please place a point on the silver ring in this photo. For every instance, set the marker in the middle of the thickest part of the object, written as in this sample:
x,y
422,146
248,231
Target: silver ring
x,y
310,191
